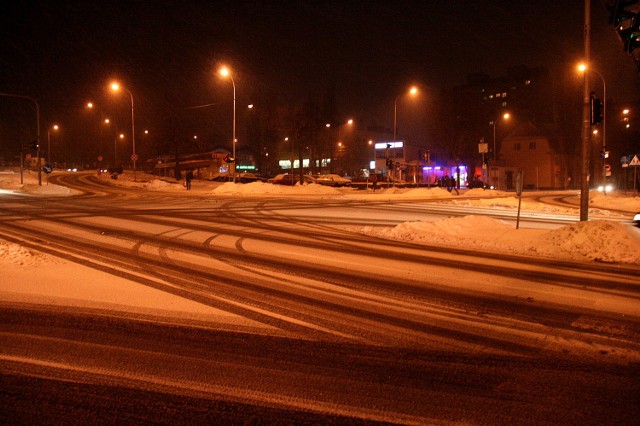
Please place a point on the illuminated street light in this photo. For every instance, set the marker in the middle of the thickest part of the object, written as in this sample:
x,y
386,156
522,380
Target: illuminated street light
x,y
413,91
115,141
224,72
583,68
116,87
54,127
505,116
91,105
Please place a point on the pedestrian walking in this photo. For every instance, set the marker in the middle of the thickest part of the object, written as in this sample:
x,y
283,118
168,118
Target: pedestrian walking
x,y
188,179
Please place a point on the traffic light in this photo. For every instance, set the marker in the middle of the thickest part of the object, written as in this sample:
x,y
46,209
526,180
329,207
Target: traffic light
x,y
596,109
618,12
34,145
630,36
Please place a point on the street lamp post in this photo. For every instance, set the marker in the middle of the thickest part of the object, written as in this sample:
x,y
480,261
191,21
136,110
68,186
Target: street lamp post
x,y
115,87
224,72
505,116
412,91
583,68
54,127
91,105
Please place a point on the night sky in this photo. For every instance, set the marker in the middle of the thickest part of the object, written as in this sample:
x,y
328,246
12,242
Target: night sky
x,y
64,53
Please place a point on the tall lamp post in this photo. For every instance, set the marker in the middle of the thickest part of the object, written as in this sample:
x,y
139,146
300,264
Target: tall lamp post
x,y
505,116
54,127
224,72
583,68
412,91
91,105
116,87
115,141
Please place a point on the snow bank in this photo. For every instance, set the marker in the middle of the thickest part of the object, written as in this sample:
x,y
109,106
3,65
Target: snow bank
x,y
268,188
18,255
11,182
600,240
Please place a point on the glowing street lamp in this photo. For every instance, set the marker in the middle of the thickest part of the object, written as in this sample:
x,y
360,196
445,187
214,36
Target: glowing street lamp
x,y
91,105
54,127
412,91
583,68
116,87
505,117
226,73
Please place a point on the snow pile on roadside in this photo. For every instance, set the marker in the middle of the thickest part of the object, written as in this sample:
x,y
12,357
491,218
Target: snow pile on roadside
x,y
601,240
19,255
11,182
511,203
268,188
435,192
46,189
615,200
474,232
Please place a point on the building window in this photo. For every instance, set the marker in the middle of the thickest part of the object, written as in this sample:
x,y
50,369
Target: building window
x,y
527,82
504,104
498,95
504,94
532,145
516,146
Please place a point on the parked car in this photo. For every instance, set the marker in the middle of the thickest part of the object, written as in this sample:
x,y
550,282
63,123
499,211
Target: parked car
x,y
291,180
636,220
275,178
476,184
248,177
333,180
221,177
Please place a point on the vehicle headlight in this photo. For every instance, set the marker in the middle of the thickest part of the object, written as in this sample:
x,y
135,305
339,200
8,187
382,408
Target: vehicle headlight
x,y
608,187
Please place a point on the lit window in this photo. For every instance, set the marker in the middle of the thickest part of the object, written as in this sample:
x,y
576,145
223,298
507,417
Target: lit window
x,y
504,104
490,96
498,95
504,94
527,82
532,145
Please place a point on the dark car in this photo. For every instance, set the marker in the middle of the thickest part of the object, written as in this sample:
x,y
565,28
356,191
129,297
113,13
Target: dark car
x,y
248,178
332,180
476,184
292,180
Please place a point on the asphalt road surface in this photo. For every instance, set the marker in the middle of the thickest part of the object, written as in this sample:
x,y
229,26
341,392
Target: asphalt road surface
x,y
336,327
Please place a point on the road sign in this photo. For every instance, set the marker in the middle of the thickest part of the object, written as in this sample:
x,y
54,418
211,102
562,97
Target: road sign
x,y
134,157
47,168
634,161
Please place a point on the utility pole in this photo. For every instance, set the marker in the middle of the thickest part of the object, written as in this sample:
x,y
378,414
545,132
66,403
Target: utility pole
x,y
586,118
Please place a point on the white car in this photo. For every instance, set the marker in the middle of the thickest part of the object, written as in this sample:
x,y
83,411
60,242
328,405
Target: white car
x,y
333,180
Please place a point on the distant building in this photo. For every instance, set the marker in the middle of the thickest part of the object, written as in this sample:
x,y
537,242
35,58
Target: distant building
x,y
535,152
